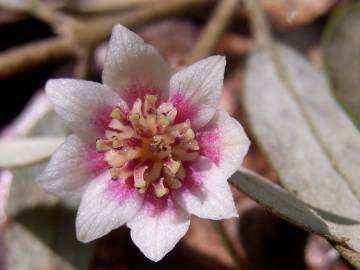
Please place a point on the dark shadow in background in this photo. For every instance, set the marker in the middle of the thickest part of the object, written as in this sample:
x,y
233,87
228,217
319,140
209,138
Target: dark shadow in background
x,y
17,90
55,226
270,242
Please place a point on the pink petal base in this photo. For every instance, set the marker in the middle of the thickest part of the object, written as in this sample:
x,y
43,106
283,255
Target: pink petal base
x,y
102,118
209,141
132,93
95,161
185,109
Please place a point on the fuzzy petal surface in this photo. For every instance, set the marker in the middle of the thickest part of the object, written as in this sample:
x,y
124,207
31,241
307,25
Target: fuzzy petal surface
x,y
84,106
105,206
195,90
158,227
133,68
224,141
206,192
71,169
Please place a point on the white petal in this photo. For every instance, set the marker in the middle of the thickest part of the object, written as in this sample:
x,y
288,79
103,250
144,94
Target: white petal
x,y
206,192
133,68
105,206
156,229
71,168
84,106
223,140
195,91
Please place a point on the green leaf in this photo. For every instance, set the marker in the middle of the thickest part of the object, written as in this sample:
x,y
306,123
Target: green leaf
x,y
341,46
308,139
280,202
23,151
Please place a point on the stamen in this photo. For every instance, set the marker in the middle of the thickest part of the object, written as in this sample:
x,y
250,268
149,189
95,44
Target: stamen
x,y
150,104
117,114
117,125
114,158
183,154
172,165
168,110
173,182
160,189
102,145
188,135
192,145
139,177
117,143
122,173
154,172
177,130
181,173
147,146
114,172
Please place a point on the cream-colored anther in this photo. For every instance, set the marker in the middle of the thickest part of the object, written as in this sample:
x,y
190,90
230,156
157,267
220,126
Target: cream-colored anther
x,y
114,172
178,130
102,145
139,181
150,104
115,159
159,188
117,142
117,114
168,110
173,182
172,165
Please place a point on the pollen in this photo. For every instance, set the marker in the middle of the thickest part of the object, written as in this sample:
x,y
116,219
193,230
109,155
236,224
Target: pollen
x,y
147,146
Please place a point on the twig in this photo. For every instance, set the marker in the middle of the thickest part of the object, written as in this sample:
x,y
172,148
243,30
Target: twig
x,y
234,44
213,30
77,35
109,5
32,55
258,23
101,28
82,68
220,229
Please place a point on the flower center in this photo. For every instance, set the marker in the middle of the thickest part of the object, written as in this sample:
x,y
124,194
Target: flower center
x,y
148,147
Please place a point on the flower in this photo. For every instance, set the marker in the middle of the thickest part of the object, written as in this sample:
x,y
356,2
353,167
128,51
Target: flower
x,y
148,150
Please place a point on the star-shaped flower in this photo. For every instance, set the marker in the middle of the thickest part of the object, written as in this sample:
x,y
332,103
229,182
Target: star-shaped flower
x,y
148,150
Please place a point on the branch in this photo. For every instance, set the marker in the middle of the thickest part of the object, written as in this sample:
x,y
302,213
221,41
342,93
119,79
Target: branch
x,y
213,30
258,23
32,55
100,29
77,35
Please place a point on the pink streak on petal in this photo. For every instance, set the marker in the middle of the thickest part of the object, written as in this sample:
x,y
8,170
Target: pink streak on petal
x,y
194,178
209,141
185,110
121,190
157,206
101,118
95,162
135,91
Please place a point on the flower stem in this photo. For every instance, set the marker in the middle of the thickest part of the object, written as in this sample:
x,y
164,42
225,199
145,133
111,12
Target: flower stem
x,y
227,243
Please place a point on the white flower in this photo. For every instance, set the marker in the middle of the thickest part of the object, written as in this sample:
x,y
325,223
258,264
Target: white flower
x,y
148,150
